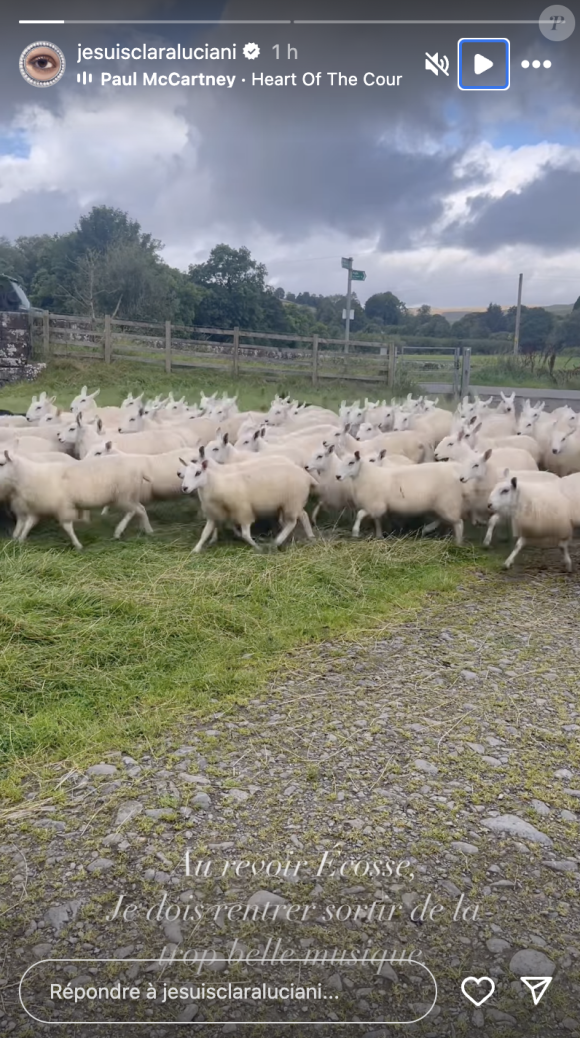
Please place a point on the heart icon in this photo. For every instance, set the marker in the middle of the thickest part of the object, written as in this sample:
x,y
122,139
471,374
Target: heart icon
x,y
478,981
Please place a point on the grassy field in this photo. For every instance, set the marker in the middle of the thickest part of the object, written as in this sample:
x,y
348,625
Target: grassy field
x,y
121,643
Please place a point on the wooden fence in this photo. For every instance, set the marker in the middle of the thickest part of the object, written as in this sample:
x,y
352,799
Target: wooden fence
x,y
231,350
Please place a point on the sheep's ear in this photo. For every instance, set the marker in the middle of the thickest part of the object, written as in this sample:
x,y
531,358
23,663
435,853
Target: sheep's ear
x,y
109,445
184,463
202,451
506,473
141,411
100,424
477,427
383,453
263,431
204,464
514,482
472,420
225,438
460,435
96,393
34,399
79,418
357,455
487,454
257,434
84,391
7,456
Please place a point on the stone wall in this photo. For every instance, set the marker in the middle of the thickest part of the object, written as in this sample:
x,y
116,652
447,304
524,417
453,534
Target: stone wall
x,y
16,364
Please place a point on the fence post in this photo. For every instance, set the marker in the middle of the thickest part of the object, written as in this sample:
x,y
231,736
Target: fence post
x,y
45,334
168,347
392,363
108,342
315,361
456,367
236,352
465,371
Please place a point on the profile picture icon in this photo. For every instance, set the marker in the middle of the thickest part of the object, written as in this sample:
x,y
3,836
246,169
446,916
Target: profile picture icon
x,y
42,64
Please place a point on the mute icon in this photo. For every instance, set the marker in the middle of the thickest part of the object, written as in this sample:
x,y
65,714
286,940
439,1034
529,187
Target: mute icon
x,y
537,987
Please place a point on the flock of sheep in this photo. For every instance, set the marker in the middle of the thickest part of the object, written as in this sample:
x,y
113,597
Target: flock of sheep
x,y
409,460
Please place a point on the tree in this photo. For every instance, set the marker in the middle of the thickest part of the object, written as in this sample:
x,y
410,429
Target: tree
x,y
235,292
494,319
577,304
279,293
103,227
536,326
566,334
229,268
385,307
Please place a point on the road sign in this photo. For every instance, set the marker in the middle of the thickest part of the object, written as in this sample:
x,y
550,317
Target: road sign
x,y
351,315
358,275
347,263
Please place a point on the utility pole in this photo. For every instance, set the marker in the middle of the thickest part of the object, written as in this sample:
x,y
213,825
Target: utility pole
x,y
518,316
348,264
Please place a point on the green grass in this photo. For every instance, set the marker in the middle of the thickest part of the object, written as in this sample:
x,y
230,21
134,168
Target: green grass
x,y
105,649
65,378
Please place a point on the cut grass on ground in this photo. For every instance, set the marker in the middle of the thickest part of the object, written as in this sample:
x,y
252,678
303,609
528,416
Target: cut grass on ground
x,y
119,644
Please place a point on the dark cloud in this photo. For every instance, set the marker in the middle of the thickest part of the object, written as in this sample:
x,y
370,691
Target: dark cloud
x,y
545,214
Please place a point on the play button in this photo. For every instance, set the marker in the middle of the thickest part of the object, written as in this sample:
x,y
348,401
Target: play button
x,y
481,64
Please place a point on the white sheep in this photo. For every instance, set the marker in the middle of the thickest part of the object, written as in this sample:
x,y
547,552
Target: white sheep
x,y
192,431
518,442
564,456
433,425
13,421
495,425
159,471
415,490
570,487
40,406
44,432
31,446
85,403
507,404
240,494
408,442
82,435
522,477
333,494
456,447
481,472
62,491
539,514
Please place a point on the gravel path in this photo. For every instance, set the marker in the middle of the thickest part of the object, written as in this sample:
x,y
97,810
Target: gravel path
x,y
448,746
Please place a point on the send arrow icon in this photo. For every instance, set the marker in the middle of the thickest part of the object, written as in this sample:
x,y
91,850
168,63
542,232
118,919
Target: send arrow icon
x,y
537,986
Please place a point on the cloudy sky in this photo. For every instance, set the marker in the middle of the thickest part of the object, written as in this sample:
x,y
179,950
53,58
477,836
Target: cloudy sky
x,y
442,196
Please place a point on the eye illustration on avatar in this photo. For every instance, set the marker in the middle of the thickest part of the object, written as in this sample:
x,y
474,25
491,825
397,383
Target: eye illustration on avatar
x,y
42,64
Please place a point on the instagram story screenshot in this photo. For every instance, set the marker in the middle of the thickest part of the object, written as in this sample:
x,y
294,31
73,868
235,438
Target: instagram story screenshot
x,y
289,518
